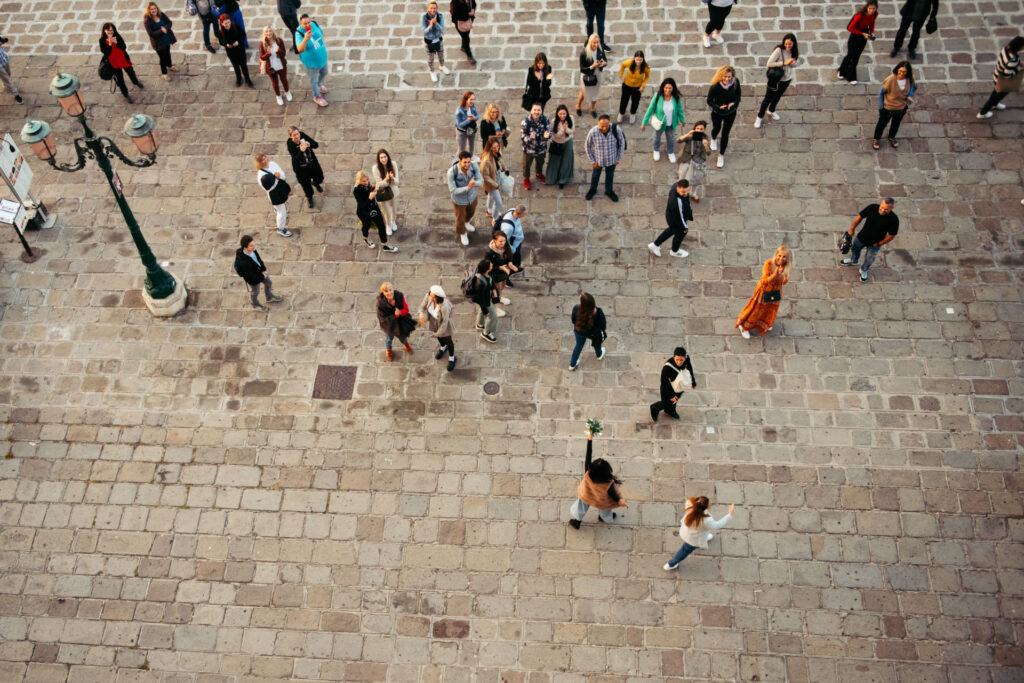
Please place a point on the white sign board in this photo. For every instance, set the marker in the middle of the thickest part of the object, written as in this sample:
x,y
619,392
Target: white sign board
x,y
13,213
13,167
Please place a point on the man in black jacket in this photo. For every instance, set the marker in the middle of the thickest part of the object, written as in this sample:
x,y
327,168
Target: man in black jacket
x,y
289,11
251,268
678,216
675,371
914,12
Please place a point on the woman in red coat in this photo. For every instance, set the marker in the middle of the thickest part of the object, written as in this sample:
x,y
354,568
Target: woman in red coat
x,y
116,53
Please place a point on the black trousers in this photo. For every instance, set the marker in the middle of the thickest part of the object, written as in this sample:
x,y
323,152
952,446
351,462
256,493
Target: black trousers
x,y
723,123
314,176
447,344
292,22
901,33
630,96
676,235
379,223
517,257
884,117
668,406
165,59
119,79
241,71
854,47
993,99
772,97
717,18
465,42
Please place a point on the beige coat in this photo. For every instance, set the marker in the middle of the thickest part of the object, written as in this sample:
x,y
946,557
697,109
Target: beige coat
x,y
442,325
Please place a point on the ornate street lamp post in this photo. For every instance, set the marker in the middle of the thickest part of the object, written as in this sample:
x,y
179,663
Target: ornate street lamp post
x,y
164,294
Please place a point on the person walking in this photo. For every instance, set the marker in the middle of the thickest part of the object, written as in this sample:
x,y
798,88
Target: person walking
x,y
274,63
251,268
760,311
466,124
463,13
674,375
511,224
780,75
313,55
432,24
694,528
693,153
1007,77
718,10
385,181
491,169
482,292
588,322
599,489
463,177
231,8
437,314
394,319
5,72
535,132
209,14
232,37
289,12
500,256
592,63
724,99
595,10
605,145
894,98
494,125
634,73
304,162
369,212
271,178
914,13
116,53
881,225
561,154
678,216
538,83
862,29
664,114
161,37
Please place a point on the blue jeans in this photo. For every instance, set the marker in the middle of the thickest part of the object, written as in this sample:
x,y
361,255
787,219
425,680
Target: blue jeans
x,y
316,78
494,204
609,176
579,509
581,341
670,139
681,554
869,254
210,20
595,16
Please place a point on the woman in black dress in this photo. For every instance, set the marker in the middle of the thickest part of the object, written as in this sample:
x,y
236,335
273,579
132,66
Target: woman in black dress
x,y
304,162
538,83
369,212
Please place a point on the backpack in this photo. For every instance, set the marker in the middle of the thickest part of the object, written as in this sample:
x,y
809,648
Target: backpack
x,y
625,142
444,176
468,285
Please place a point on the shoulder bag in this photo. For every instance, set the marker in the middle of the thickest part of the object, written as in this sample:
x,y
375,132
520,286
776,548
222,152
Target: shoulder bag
x,y
678,384
771,297
385,194
106,72
464,26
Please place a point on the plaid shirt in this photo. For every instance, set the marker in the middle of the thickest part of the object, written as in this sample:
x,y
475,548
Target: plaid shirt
x,y
3,58
605,149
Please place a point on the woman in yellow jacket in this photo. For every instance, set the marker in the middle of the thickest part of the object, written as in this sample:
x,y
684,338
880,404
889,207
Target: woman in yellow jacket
x,y
634,74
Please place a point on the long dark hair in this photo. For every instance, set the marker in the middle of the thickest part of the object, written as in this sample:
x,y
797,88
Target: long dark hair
x,y
1016,45
483,267
675,89
863,11
601,472
585,313
697,513
795,52
568,117
384,170
633,68
547,65
910,70
103,30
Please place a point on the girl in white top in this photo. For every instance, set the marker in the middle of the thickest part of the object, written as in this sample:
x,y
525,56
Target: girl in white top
x,y
693,528
264,167
784,56
385,174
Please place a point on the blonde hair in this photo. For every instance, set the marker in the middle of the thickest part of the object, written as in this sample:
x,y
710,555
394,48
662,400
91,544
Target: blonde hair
x,y
384,285
359,181
270,30
257,158
152,4
789,259
720,74
492,107
591,54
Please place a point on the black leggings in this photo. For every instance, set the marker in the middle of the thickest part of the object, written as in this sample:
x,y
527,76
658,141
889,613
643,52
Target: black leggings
x,y
292,22
165,59
993,99
723,123
884,117
854,46
447,344
308,180
377,221
119,79
718,15
772,97
241,70
630,95
465,42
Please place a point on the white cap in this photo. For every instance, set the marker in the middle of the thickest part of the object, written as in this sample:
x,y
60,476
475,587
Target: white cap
x,y
437,291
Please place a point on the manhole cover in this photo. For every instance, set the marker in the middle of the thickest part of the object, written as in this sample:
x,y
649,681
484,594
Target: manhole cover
x,y
491,388
334,382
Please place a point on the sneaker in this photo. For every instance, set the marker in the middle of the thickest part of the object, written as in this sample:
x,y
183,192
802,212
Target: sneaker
x,y
288,95
128,99
19,100
440,352
369,243
505,300
526,183
706,40
848,262
464,238
774,116
682,253
911,54
579,112
612,196
280,101
488,337
671,158
632,118
388,247
721,161
714,145
310,201
261,307
393,226
894,52
669,567
745,334
852,82
451,364
211,49
593,113
323,90
654,413
408,349
600,356
433,77
320,101
387,228
621,118
614,516
657,156
573,367
469,227
710,536
986,115
606,48
654,249
757,122
590,194
274,299
574,523
863,276
839,75
717,37
541,177
285,232
479,326
445,70
998,106
500,312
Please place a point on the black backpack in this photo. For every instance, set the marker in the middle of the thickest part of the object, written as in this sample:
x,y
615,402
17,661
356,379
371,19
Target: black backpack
x,y
468,285
625,142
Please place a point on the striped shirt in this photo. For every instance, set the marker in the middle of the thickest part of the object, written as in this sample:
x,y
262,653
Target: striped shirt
x,y
1007,66
4,59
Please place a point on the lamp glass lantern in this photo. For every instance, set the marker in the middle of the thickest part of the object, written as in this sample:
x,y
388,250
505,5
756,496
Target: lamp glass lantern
x,y
67,89
140,129
37,135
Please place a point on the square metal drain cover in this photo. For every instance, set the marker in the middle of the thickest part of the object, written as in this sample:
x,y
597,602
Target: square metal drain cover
x,y
334,382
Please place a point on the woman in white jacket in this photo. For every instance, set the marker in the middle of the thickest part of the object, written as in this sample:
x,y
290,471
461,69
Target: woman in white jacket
x,y
694,528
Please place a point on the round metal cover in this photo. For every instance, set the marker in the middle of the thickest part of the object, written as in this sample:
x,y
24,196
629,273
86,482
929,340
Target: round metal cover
x,y
491,388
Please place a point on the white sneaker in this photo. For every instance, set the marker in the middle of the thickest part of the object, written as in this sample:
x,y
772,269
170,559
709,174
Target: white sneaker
x,y
714,145
839,75
682,253
469,227
717,37
657,156
433,76
710,536
387,229
852,82
706,40
775,116
757,122
465,239
721,161
654,248
746,335
394,227
1000,106
280,101
445,70
501,313
505,300
986,115
669,567
622,117
288,96
671,158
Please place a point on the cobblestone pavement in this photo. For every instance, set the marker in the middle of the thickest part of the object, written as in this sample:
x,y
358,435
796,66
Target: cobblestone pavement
x,y
175,506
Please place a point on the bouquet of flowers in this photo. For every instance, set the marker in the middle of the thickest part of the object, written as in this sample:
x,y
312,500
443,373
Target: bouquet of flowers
x,y
593,426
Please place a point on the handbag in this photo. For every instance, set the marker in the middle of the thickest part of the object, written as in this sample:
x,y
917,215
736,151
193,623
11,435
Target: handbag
x,y
506,182
590,78
845,242
385,194
106,72
191,7
464,26
775,73
657,123
1009,84
527,101
772,297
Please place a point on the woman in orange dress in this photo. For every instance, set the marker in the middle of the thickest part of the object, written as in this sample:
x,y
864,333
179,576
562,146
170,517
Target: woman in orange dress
x,y
759,313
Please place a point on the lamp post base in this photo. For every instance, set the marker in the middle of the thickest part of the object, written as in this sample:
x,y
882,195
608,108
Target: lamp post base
x,y
163,308
36,254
